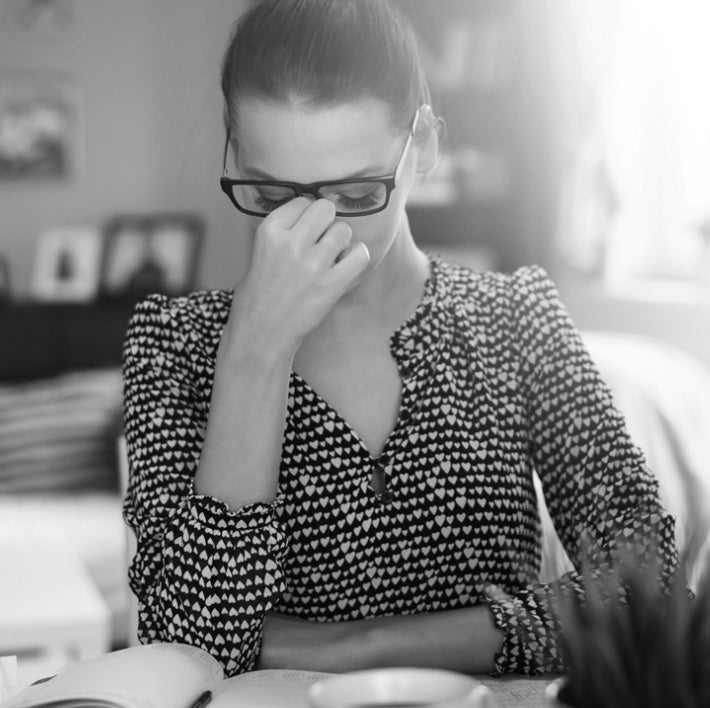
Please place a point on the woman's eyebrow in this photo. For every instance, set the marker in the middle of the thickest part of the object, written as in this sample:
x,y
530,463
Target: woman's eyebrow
x,y
256,173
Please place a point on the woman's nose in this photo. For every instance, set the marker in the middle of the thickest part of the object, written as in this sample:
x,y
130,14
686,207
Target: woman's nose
x,y
309,194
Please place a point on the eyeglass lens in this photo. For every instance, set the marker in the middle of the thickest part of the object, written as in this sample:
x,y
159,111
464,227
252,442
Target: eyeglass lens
x,y
348,198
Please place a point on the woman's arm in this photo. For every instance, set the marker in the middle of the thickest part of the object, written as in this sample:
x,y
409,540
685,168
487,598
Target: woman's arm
x,y
239,460
203,472
203,574
463,640
295,278
602,497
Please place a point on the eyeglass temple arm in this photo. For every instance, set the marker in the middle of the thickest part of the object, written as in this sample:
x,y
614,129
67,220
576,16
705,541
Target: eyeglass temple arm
x,y
410,137
224,157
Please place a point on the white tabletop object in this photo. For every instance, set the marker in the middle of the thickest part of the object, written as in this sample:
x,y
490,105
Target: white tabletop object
x,y
48,603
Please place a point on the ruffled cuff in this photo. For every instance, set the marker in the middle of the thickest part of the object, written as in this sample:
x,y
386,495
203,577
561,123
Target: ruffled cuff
x,y
215,517
530,637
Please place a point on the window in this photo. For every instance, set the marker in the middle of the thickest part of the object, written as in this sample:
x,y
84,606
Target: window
x,y
636,195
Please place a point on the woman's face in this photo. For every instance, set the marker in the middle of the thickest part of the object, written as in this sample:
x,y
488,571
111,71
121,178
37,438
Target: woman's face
x,y
281,141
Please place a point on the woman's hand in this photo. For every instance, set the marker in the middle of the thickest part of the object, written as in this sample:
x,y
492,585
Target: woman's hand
x,y
302,263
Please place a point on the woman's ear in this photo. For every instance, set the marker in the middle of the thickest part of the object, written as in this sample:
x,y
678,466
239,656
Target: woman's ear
x,y
426,139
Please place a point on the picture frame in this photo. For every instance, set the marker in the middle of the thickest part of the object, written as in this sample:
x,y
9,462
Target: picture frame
x,y
40,19
67,264
40,127
151,253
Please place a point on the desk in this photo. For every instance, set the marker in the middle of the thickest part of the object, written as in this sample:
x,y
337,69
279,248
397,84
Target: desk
x,y
49,607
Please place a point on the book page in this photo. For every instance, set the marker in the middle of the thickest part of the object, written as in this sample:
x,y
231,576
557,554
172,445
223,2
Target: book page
x,y
275,688
150,676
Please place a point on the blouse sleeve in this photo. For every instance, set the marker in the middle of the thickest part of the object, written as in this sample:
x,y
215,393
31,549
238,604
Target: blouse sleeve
x,y
601,495
203,574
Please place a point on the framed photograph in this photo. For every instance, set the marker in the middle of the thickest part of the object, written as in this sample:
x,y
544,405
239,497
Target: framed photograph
x,y
67,264
40,19
151,253
40,134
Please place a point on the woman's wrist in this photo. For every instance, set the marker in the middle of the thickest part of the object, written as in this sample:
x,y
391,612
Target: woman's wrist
x,y
250,335
464,640
249,349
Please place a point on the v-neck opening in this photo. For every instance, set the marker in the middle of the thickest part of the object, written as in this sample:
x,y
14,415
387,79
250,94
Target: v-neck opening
x,y
428,294
333,413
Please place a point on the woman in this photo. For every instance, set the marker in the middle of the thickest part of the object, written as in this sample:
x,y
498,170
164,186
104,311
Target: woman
x,y
332,465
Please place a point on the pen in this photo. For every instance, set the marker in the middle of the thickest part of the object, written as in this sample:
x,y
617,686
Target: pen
x,y
202,700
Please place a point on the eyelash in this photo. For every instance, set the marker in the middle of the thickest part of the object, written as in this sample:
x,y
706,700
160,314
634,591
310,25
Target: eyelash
x,y
268,204
364,202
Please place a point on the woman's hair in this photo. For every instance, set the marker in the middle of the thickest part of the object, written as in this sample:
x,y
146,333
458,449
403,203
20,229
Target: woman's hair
x,y
318,53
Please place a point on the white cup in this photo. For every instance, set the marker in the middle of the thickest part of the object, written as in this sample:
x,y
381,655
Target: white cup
x,y
400,688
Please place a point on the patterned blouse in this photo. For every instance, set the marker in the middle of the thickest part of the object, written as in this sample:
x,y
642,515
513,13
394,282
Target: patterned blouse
x,y
496,383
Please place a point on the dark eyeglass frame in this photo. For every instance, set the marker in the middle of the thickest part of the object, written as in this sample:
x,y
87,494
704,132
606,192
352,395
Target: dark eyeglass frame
x,y
389,181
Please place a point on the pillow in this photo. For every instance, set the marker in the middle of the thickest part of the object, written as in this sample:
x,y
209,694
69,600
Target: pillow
x,y
59,434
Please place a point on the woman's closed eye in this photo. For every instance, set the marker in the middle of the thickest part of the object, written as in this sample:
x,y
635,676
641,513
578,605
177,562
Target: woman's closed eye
x,y
359,196
345,197
270,204
366,201
269,198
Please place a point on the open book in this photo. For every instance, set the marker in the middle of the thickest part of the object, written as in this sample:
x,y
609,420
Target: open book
x,y
164,676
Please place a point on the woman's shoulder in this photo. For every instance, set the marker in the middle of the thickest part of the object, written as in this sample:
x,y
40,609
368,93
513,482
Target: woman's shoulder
x,y
193,320
200,308
524,283
522,307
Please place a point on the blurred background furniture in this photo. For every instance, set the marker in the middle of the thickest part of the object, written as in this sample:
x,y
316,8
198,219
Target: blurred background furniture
x,y
60,413
50,339
493,194
51,612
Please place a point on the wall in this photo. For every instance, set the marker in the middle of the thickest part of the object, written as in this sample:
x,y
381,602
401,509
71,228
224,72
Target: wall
x,y
152,140
152,133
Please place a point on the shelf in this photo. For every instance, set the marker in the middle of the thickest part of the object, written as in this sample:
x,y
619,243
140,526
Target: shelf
x,y
42,340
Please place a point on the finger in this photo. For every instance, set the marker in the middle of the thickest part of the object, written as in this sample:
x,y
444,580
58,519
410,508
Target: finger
x,y
314,220
335,241
288,214
351,264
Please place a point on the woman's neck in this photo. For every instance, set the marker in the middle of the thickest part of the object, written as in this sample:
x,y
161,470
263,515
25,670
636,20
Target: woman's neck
x,y
390,292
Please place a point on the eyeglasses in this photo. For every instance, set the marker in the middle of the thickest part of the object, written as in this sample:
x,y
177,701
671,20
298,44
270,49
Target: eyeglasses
x,y
352,197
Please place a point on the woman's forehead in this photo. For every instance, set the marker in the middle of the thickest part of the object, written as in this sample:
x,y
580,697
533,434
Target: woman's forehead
x,y
301,144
